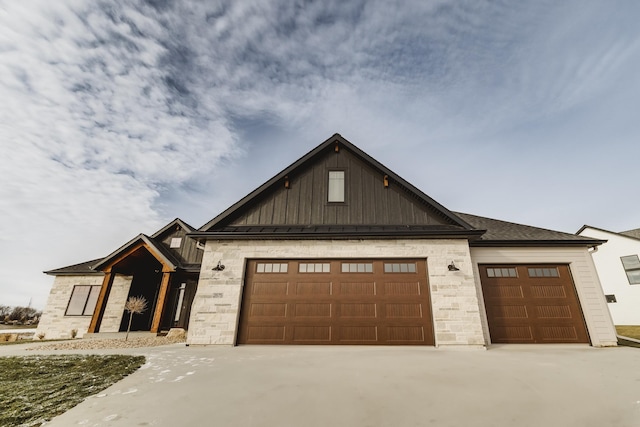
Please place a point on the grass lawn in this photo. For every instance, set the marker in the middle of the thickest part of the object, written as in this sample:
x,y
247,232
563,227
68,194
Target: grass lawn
x,y
34,389
629,331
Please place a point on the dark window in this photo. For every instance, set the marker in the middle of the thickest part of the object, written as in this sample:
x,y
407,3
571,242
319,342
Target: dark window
x,y
336,186
631,265
83,300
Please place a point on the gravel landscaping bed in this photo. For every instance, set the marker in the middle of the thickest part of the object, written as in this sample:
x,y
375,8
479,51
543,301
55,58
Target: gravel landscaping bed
x,y
95,344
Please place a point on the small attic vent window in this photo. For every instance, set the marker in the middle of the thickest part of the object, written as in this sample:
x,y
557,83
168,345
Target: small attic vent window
x,y
175,242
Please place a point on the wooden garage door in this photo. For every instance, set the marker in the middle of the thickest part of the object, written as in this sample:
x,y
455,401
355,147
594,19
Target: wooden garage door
x,y
336,302
532,304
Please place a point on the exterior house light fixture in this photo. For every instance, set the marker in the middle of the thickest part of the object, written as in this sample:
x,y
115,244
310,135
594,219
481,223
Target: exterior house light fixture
x,y
452,267
218,267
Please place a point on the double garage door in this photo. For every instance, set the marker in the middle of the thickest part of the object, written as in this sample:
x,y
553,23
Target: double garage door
x,y
336,302
387,302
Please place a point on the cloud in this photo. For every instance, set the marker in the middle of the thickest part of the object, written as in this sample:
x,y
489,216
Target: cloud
x,y
118,116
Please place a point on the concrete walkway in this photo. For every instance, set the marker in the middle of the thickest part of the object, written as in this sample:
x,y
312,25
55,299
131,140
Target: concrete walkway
x,y
508,385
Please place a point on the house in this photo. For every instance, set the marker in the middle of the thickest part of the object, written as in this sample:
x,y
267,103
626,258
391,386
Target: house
x,y
338,249
167,261
618,266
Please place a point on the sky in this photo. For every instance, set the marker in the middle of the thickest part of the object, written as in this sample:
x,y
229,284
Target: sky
x,y
118,116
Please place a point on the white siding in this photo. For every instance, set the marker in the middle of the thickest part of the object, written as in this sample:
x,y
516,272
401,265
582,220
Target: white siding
x,y
594,307
626,311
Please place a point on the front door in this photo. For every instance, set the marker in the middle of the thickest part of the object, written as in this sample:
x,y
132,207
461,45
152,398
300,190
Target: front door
x,y
178,307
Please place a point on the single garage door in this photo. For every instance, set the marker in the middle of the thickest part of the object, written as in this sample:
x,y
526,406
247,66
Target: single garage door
x,y
532,304
336,302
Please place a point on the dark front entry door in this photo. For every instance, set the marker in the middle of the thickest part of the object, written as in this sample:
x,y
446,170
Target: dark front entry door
x,y
178,306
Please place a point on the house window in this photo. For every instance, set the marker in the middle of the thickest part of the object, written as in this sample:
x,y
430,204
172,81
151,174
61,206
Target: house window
x,y
272,267
357,267
543,272
336,186
631,265
183,286
502,272
400,267
83,300
314,267
175,242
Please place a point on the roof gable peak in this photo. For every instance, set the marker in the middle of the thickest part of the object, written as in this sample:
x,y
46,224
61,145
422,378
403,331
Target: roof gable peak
x,y
176,222
335,143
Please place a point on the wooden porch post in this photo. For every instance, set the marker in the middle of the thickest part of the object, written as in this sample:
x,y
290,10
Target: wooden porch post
x,y
98,312
162,296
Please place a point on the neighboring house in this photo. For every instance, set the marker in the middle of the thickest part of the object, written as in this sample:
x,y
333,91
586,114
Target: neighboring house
x,y
618,265
338,249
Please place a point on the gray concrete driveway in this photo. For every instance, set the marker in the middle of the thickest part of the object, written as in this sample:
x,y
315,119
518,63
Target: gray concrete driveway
x,y
508,385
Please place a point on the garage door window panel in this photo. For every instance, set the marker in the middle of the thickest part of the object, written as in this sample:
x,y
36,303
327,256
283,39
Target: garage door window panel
x,y
543,272
271,267
309,267
357,267
502,272
400,267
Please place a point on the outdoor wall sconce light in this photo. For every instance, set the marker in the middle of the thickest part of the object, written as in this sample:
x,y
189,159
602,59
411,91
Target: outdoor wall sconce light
x,y
218,267
385,181
452,267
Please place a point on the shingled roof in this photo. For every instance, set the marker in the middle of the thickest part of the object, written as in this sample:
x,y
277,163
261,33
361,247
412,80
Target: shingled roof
x,y
153,241
504,233
83,268
632,233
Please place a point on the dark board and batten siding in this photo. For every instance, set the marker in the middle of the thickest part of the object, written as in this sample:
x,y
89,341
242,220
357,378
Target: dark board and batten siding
x,y
188,252
367,201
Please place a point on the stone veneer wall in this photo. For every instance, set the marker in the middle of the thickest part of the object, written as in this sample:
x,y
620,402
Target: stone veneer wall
x,y
454,295
115,304
54,324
